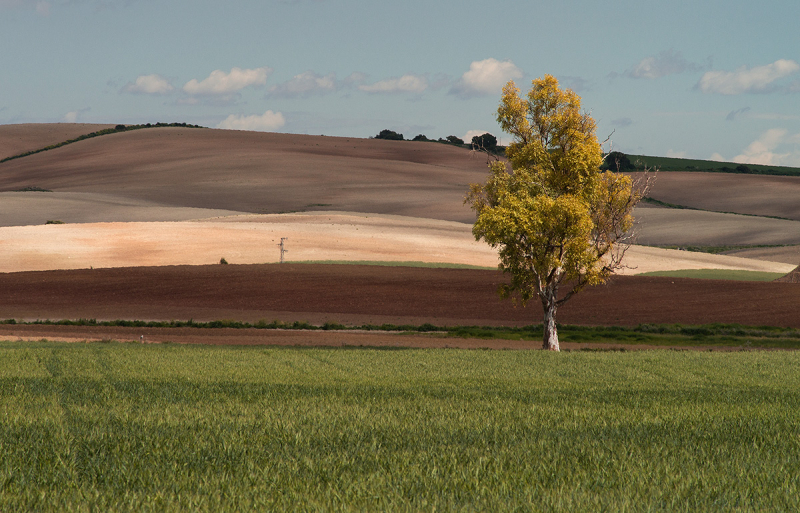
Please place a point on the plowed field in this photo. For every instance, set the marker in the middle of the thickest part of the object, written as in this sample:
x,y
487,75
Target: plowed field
x,y
355,295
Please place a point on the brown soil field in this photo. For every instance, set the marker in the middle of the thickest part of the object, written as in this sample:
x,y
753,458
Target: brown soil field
x,y
355,294
786,255
16,139
36,208
259,172
667,226
731,192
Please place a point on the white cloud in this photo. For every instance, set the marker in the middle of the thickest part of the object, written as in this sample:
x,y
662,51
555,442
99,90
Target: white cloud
x,y
267,122
486,77
744,80
676,154
472,133
354,79
661,65
305,85
221,83
762,150
75,115
775,147
148,84
405,84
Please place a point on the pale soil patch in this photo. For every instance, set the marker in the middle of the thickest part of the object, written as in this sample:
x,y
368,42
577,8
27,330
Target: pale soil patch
x,y
33,208
666,226
16,139
644,259
241,239
728,192
249,239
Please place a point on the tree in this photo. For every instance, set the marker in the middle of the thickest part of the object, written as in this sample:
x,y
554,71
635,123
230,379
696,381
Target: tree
x,y
390,135
618,161
559,222
486,142
452,139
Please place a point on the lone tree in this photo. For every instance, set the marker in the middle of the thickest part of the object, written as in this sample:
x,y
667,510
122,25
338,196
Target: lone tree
x,y
559,222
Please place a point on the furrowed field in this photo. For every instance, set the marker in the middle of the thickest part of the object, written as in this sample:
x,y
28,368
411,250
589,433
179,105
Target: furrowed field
x,y
166,427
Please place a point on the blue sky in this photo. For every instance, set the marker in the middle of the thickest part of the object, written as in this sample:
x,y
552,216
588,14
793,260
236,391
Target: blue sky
x,y
698,79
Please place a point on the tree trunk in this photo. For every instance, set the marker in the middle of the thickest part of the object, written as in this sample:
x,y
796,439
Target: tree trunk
x,y
550,341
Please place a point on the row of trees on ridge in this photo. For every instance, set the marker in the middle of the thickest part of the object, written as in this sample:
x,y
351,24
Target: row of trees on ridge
x,y
486,141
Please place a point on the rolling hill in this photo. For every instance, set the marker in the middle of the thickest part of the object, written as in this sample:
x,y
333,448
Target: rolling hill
x,y
140,185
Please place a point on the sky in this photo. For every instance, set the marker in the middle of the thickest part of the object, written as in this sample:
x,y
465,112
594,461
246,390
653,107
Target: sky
x,y
707,79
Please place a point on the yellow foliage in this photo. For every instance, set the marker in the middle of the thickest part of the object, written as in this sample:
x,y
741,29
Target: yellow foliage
x,y
554,216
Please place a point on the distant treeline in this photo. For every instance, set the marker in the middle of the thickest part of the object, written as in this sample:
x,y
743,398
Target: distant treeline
x,y
486,142
106,131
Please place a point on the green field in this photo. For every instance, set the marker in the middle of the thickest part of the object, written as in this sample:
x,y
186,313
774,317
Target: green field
x,y
713,166
718,274
158,428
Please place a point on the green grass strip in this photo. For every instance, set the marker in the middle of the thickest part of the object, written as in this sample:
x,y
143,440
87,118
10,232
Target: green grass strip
x,y
710,166
718,274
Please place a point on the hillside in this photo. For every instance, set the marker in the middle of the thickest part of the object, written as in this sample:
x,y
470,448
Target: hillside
x,y
257,172
139,188
16,139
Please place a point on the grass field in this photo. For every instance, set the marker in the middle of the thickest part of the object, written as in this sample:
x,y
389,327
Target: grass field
x,y
718,274
154,428
678,164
